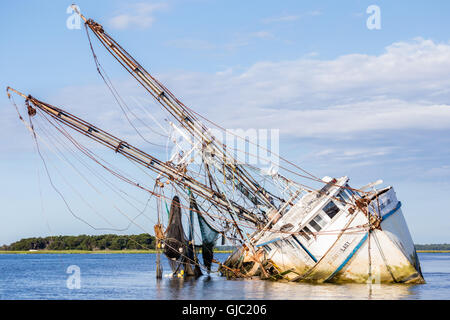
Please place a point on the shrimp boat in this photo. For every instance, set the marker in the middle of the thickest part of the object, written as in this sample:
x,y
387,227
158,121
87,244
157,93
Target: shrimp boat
x,y
337,235
282,228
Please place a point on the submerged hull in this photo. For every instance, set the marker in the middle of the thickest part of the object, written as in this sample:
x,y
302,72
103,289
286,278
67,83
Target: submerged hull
x,y
341,245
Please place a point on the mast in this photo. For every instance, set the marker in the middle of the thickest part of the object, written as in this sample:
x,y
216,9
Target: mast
x,y
186,118
138,156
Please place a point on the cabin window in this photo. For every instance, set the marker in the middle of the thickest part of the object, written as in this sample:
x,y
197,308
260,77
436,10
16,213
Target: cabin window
x,y
286,227
344,197
317,223
294,244
385,203
331,209
352,191
305,233
268,249
290,243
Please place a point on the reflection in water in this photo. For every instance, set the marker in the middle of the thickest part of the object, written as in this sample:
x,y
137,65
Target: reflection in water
x,y
207,282
123,276
215,287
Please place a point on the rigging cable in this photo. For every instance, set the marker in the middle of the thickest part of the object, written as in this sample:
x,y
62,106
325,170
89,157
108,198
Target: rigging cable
x,y
116,95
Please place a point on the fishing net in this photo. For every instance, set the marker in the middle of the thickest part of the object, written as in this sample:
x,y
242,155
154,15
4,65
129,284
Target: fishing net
x,y
209,235
177,248
175,239
191,246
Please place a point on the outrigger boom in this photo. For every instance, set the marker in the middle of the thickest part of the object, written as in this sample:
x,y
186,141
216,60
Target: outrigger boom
x,y
134,154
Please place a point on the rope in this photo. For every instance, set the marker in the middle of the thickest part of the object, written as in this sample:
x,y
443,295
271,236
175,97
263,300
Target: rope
x,y
116,95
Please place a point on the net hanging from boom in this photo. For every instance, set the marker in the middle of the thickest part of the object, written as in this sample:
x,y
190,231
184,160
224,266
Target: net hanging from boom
x,y
208,233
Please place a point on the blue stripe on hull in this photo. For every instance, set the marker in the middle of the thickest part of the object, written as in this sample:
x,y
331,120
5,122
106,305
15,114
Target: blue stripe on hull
x,y
263,244
306,250
349,257
390,213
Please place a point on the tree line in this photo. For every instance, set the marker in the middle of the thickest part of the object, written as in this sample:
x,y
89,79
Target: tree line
x,y
142,241
442,246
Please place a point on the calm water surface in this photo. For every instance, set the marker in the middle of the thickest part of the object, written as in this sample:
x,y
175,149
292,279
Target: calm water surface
x,y
132,276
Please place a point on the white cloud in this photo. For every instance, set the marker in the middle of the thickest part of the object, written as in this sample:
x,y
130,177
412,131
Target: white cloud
x,y
239,40
353,153
314,13
404,88
191,44
438,172
261,35
291,17
245,39
140,15
283,18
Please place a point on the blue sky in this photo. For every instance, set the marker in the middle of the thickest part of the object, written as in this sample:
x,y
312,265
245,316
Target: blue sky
x,y
368,104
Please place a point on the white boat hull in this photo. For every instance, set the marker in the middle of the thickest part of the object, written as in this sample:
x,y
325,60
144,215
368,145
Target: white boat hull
x,y
348,249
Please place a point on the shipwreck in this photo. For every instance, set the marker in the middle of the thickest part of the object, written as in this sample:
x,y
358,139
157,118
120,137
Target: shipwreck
x,y
283,228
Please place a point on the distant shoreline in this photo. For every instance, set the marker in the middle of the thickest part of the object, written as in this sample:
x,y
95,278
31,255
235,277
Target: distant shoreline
x,y
90,252
137,251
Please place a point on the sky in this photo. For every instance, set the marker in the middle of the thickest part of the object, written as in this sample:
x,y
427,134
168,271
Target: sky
x,y
347,100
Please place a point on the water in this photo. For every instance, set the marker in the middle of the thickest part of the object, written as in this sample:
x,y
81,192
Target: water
x,y
132,276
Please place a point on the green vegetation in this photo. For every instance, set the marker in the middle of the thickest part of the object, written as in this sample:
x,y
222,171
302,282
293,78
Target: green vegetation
x,y
111,243
433,251
433,247
77,251
84,243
